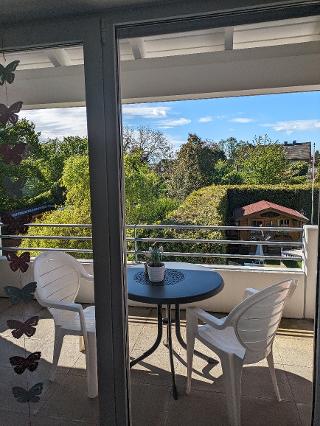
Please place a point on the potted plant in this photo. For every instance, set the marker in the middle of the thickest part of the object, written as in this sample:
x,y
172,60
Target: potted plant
x,y
155,266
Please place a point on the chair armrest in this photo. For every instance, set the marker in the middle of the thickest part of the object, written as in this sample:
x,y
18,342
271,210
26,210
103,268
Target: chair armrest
x,y
74,307
249,292
65,306
218,323
87,276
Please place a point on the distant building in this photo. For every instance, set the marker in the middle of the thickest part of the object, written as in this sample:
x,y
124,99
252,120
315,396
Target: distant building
x,y
266,213
297,151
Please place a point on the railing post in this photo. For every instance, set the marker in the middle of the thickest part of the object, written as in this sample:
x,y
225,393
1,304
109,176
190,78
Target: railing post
x,y
135,243
1,241
310,245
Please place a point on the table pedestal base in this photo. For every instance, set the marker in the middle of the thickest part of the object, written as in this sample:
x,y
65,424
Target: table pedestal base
x,y
168,343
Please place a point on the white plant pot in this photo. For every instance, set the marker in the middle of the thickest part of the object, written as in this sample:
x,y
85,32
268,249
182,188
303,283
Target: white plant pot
x,y
156,273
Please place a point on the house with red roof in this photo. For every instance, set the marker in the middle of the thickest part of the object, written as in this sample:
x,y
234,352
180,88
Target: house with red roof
x,y
266,213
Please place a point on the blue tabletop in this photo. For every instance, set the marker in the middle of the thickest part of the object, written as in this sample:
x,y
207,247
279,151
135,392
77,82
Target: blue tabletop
x,y
183,283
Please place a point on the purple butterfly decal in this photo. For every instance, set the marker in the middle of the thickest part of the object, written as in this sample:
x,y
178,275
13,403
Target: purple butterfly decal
x,y
13,225
12,154
10,113
20,364
30,395
19,262
20,328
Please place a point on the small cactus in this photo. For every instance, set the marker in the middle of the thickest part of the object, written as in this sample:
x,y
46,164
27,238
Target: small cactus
x,y
155,255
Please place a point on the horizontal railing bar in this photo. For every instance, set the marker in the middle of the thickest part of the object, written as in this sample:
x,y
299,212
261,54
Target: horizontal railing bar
x,y
167,253
160,240
70,250
210,227
222,242
45,237
61,225
219,228
222,255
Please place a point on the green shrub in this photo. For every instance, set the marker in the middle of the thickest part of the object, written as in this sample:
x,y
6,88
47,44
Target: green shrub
x,y
206,206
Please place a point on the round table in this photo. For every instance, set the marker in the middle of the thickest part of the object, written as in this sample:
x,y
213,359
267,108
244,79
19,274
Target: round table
x,y
183,283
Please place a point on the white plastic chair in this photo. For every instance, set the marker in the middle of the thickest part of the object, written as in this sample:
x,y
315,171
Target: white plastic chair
x,y
58,279
245,336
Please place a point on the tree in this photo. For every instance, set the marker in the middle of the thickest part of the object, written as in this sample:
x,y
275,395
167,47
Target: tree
x,y
18,144
145,201
263,164
194,166
226,173
152,144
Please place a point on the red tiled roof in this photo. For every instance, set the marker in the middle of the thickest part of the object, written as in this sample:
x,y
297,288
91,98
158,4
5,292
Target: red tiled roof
x,y
262,205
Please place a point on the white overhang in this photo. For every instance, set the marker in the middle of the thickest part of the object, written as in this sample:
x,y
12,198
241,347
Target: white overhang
x,y
275,57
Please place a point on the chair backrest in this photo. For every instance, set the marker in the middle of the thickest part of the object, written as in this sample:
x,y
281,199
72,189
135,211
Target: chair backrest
x,y
58,279
257,319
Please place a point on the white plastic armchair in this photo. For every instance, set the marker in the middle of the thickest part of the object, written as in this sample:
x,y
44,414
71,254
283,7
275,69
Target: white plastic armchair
x,y
58,280
245,336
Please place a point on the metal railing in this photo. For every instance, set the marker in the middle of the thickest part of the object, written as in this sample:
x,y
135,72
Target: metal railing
x,y
136,241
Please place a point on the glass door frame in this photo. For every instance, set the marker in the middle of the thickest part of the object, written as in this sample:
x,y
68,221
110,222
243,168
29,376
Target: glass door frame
x,y
99,34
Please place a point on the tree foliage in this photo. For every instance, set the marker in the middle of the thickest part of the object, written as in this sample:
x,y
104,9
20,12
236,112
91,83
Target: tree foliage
x,y
152,144
194,166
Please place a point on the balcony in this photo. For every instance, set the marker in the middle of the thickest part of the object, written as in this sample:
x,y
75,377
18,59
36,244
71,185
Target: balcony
x,y
65,401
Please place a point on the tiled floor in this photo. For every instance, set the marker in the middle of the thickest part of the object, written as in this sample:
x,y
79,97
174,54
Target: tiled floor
x,y
64,402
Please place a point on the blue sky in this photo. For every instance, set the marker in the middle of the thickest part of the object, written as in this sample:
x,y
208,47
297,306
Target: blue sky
x,y
284,117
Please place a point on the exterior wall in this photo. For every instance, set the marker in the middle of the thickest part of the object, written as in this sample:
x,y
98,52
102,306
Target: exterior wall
x,y
235,281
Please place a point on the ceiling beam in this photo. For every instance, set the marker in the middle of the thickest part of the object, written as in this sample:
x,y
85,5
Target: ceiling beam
x,y
228,38
137,46
59,57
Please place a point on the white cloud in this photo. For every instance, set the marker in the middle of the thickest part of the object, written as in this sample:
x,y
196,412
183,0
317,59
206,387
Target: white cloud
x,y
294,125
168,124
242,120
206,119
145,111
58,122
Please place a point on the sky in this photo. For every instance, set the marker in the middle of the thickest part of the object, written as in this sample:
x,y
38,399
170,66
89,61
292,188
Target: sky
x,y
283,117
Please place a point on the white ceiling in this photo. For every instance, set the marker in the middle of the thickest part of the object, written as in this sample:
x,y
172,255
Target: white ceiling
x,y
277,33
274,56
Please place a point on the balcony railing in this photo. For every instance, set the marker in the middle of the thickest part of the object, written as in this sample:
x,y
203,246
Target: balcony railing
x,y
135,242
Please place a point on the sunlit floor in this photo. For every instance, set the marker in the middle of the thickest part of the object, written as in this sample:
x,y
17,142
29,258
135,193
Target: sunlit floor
x,y
64,402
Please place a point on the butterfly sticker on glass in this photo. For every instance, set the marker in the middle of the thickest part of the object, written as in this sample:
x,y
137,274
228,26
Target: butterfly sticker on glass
x,y
20,328
15,224
30,395
7,72
20,363
19,262
24,294
13,154
10,114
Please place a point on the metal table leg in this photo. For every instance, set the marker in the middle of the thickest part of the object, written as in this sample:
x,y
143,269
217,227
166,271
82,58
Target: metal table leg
x,y
169,334
156,343
182,342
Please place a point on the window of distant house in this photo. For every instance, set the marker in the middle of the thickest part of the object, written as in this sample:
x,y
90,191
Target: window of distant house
x,y
256,222
284,222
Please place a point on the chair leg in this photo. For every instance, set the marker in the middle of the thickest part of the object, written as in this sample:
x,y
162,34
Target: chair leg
x,y
232,371
273,375
91,366
82,347
191,332
58,340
